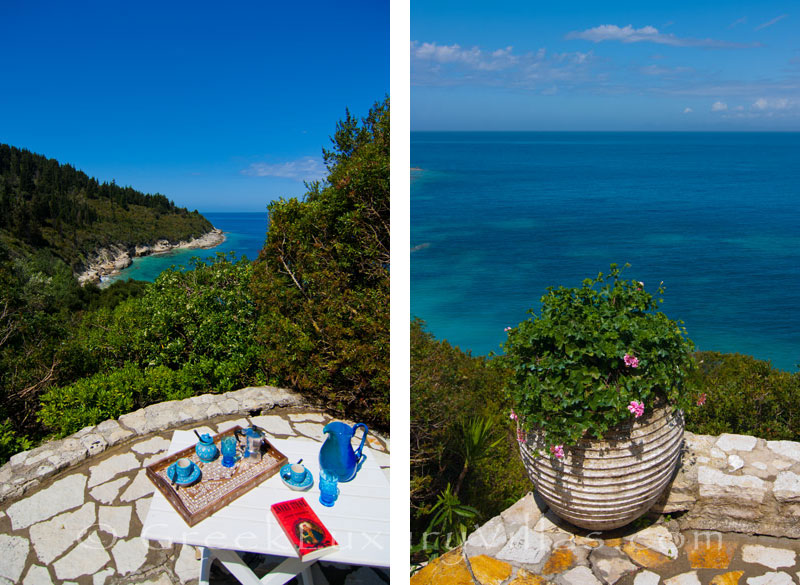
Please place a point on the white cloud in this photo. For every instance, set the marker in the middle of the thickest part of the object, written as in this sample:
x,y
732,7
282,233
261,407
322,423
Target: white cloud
x,y
665,71
304,169
435,64
771,22
774,104
688,110
719,107
738,21
474,57
650,34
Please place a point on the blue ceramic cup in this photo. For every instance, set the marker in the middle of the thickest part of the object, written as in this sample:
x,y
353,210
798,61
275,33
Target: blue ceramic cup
x,y
228,448
297,472
183,469
328,488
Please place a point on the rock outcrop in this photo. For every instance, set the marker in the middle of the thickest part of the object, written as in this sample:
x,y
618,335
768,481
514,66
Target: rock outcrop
x,y
111,260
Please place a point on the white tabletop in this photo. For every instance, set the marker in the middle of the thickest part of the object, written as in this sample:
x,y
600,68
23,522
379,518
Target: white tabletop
x,y
359,520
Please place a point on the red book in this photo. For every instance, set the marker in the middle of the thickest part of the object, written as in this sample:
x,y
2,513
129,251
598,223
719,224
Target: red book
x,y
305,530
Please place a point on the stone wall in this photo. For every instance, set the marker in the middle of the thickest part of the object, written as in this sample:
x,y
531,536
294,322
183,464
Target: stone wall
x,y
737,483
28,469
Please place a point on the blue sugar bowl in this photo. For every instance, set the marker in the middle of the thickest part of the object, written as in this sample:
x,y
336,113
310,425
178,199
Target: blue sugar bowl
x,y
206,449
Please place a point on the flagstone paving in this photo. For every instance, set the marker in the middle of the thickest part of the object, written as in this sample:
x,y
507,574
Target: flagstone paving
x,y
83,525
528,545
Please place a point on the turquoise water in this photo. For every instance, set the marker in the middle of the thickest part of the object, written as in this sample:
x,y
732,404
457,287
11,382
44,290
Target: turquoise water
x,y
244,234
498,217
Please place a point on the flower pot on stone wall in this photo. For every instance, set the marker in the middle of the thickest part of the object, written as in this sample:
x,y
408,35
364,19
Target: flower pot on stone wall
x,y
601,485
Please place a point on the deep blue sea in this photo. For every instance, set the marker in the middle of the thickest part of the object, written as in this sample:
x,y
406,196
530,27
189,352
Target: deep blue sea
x,y
496,218
244,234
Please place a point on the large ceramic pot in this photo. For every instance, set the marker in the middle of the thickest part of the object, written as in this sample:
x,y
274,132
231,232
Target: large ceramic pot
x,y
601,485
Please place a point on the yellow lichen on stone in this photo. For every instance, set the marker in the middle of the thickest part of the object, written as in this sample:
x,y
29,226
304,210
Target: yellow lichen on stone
x,y
489,571
449,568
710,555
731,578
561,560
590,542
643,556
613,542
527,578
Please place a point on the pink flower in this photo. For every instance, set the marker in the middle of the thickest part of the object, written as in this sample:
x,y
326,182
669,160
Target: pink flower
x,y
702,400
513,415
507,329
636,408
631,361
558,451
520,435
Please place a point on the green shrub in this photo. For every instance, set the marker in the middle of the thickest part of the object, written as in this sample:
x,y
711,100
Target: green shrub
x,y
593,352
451,392
92,400
745,396
191,332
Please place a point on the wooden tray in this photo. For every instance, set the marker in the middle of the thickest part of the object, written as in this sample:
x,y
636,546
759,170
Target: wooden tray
x,y
218,486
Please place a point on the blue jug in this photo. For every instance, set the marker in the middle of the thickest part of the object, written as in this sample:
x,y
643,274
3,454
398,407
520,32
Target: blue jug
x,y
337,455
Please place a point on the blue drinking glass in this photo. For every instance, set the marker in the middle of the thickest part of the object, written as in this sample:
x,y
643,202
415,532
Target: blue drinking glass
x,y
228,448
328,488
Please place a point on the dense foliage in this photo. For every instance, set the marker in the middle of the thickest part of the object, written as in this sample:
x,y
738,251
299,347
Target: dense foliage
x,y
745,396
463,449
189,333
53,206
322,280
592,352
40,305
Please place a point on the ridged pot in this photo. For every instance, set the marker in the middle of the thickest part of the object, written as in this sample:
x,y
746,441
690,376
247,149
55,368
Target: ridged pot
x,y
605,484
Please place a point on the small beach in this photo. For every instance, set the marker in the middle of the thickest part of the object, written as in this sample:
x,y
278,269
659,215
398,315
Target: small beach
x,y
242,233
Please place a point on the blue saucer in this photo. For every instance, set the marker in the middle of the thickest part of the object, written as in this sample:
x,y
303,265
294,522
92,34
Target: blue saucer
x,y
193,476
306,483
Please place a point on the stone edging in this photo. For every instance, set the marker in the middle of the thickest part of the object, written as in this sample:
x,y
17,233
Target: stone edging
x,y
737,483
28,469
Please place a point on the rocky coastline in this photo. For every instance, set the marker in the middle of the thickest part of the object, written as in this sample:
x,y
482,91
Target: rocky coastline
x,y
112,259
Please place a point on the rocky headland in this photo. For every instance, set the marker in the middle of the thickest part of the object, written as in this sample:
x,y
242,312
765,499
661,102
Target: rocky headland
x,y
111,260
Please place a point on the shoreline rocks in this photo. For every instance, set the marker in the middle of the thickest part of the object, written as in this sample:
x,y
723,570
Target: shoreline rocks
x,y
111,260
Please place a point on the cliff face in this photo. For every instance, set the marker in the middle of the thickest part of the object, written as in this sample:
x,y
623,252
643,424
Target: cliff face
x,y
111,260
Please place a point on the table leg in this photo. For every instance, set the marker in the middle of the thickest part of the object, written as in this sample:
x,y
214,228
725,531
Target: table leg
x,y
307,578
288,569
205,564
284,572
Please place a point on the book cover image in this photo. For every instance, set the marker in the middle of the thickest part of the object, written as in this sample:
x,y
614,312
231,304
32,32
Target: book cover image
x,y
308,535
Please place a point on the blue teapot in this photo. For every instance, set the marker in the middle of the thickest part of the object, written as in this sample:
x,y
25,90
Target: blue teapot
x,y
206,449
337,455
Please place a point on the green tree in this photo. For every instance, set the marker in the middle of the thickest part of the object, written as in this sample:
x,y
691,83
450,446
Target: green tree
x,y
321,283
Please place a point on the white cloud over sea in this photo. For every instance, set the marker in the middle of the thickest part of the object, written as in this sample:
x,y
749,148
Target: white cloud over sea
x,y
447,65
303,169
771,22
650,34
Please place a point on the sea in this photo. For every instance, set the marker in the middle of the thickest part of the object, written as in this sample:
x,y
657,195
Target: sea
x,y
245,234
497,217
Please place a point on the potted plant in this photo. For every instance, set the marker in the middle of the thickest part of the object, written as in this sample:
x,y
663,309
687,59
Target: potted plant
x,y
599,387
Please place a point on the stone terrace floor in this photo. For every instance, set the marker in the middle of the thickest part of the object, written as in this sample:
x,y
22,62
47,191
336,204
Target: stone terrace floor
x,y
522,546
83,526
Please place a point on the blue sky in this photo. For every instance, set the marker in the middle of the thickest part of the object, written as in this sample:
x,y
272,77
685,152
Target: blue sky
x,y
582,65
221,107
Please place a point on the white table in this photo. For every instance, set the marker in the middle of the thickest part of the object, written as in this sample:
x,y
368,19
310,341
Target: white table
x,y
359,520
